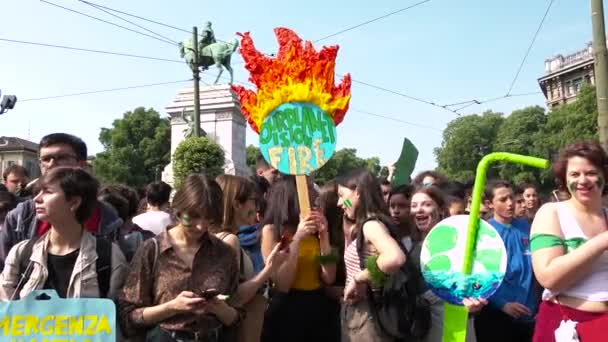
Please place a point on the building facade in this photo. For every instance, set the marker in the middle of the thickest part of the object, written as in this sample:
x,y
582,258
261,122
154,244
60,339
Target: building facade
x,y
19,151
565,75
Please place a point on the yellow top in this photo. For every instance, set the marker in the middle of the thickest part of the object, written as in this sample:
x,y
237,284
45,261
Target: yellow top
x,y
308,271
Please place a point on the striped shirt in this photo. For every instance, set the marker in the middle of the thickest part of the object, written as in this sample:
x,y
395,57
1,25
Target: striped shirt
x,y
351,260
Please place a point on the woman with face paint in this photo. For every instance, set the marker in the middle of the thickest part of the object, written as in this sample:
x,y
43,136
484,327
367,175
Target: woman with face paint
x,y
182,282
428,207
569,242
299,309
361,198
239,204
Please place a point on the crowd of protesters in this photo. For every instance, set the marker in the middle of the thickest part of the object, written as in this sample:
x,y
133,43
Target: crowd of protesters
x,y
234,258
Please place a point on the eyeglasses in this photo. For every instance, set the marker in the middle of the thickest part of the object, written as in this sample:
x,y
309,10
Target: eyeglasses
x,y
58,158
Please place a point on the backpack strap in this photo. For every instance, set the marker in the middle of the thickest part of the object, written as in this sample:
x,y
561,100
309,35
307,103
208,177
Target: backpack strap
x,y
103,266
25,267
361,241
155,263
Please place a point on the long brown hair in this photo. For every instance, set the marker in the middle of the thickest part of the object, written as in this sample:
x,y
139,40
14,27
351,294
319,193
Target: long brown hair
x,y
235,189
371,202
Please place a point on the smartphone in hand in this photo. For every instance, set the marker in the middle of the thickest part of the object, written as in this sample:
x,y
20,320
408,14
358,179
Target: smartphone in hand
x,y
207,294
285,241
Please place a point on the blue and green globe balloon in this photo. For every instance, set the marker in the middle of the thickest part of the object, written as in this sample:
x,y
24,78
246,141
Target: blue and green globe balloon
x,y
442,257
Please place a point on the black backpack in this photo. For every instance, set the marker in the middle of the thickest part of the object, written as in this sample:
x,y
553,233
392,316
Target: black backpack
x,y
103,265
398,307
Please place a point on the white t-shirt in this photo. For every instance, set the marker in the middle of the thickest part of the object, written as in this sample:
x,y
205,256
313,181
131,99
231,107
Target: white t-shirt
x,y
154,221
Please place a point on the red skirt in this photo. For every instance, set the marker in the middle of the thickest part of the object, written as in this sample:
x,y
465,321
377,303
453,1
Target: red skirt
x,y
550,315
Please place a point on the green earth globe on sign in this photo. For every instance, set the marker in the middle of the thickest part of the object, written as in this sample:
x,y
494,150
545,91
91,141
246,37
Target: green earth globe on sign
x,y
442,258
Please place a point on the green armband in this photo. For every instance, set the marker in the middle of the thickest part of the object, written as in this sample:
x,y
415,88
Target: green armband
x,y
331,258
542,241
377,277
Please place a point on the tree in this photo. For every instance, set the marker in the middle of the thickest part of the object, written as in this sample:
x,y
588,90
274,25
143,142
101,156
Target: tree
x,y
344,161
136,148
565,125
465,141
197,155
252,153
517,135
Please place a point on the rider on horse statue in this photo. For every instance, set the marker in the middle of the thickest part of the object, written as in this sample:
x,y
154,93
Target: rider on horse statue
x,y
210,52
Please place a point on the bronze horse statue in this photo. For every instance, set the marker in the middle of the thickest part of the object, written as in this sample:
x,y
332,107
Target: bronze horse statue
x,y
218,54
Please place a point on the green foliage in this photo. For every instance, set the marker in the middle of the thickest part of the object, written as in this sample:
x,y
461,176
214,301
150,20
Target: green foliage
x,y
197,155
344,161
566,124
252,153
136,148
528,131
465,141
517,135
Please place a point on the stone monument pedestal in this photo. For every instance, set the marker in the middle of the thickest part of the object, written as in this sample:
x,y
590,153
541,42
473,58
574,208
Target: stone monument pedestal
x,y
221,120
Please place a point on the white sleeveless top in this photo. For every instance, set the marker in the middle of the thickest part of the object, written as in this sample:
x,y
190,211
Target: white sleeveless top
x,y
593,287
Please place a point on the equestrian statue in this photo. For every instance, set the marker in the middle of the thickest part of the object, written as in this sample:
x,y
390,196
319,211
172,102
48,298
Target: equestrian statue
x,y
210,52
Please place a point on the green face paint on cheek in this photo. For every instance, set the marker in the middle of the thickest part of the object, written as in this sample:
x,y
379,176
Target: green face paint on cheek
x,y
250,213
348,204
186,220
571,186
600,182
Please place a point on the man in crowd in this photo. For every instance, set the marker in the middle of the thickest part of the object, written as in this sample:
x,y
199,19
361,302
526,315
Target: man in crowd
x,y
15,178
57,149
263,169
156,218
511,310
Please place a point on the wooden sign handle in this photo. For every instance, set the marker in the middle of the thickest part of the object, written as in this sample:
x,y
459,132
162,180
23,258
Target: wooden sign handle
x,y
303,198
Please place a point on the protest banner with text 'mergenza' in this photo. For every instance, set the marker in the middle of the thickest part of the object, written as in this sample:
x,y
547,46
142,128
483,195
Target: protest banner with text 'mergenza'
x,y
57,320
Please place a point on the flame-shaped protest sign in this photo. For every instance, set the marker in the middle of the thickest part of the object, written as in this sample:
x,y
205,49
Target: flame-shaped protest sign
x,y
296,106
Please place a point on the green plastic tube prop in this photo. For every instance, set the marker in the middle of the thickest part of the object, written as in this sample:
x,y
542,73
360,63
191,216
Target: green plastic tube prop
x,y
456,317
478,188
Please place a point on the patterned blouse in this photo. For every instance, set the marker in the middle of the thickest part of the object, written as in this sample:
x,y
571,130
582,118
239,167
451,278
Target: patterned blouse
x,y
214,267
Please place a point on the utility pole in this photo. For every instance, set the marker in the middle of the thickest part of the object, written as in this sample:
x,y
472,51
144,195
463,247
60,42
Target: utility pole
x,y
600,54
196,119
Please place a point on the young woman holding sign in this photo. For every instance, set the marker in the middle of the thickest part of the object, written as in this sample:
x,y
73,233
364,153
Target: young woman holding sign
x,y
180,281
428,207
66,258
299,309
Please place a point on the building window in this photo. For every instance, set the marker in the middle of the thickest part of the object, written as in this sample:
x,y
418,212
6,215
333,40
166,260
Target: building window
x,y
32,169
577,84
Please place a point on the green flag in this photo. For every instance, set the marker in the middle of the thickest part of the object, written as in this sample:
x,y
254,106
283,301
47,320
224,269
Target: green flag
x,y
405,164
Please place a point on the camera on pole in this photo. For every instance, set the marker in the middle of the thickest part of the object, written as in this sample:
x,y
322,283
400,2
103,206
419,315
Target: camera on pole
x,y
8,102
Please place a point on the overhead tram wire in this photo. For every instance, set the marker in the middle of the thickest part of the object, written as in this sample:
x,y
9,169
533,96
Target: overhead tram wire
x,y
372,20
236,81
103,91
402,95
141,18
109,22
323,38
90,50
136,16
493,99
523,61
130,22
